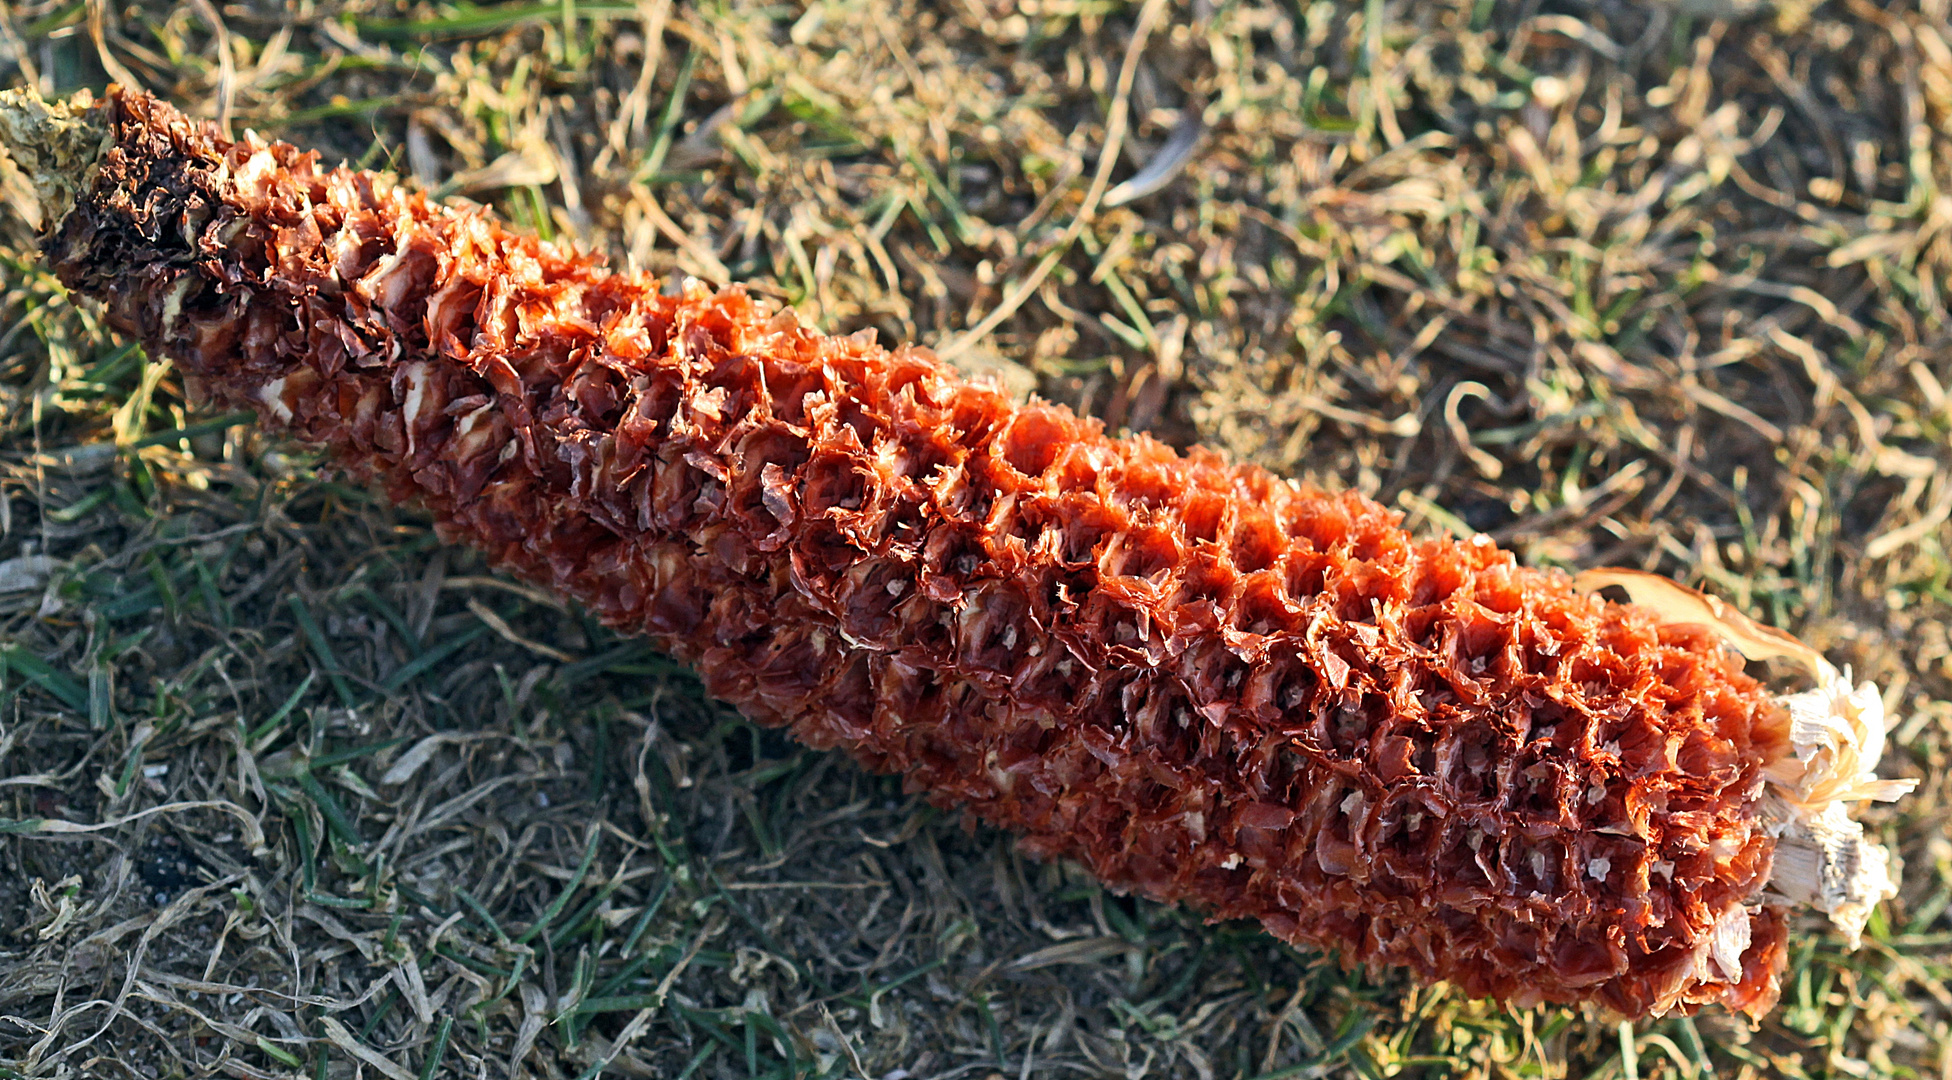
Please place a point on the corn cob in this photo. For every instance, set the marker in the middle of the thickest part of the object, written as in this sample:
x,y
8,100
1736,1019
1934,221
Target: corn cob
x,y
1207,684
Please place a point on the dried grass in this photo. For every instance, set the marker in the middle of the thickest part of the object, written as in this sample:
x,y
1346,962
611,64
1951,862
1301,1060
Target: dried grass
x,y
1658,284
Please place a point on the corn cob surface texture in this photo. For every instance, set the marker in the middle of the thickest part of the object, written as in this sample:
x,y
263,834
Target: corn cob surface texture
x,y
1206,683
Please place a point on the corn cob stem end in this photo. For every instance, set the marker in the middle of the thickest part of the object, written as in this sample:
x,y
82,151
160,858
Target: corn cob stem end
x,y
1836,736
1823,858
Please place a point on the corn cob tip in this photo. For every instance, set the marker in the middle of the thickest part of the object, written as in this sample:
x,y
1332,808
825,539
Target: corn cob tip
x,y
56,145
1836,736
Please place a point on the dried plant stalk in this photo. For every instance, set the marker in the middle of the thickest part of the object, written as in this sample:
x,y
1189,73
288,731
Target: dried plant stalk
x,y
1206,683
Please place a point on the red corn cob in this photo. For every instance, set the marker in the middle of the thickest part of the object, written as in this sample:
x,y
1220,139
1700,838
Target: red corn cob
x,y
1204,682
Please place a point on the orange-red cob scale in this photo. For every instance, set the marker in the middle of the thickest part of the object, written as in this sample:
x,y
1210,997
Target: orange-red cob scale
x,y
1204,682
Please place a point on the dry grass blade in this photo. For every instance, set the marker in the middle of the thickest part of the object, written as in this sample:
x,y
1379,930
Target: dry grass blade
x,y
1107,159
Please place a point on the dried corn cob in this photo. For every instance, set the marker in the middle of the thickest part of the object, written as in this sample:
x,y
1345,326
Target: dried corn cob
x,y
1206,683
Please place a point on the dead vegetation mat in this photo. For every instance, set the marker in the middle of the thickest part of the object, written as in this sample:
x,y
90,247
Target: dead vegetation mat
x,y
289,789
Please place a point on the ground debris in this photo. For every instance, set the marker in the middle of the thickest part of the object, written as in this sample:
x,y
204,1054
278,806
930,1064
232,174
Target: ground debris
x,y
1645,285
